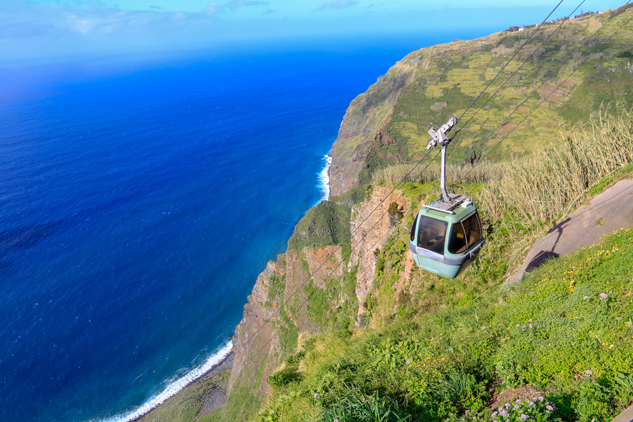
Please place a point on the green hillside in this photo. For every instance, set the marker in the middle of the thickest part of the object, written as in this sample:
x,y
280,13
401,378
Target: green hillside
x,y
343,327
444,350
456,75
569,69
565,331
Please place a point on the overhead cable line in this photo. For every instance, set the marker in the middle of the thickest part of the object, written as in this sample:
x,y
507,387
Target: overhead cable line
x,y
515,72
511,58
381,202
539,87
370,249
339,246
541,103
382,237
352,247
388,195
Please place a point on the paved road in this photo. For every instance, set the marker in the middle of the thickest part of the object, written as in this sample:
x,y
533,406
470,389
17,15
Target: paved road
x,y
607,212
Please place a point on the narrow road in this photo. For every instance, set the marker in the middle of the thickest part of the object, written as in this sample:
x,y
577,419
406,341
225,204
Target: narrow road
x,y
607,212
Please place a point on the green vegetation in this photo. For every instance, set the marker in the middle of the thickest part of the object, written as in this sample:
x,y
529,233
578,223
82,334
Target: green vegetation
x,y
323,314
284,377
441,350
327,223
600,187
566,329
356,408
450,81
288,333
277,288
186,406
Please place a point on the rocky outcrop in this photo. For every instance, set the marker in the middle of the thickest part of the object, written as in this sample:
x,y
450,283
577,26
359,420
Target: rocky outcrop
x,y
324,263
254,336
371,225
256,341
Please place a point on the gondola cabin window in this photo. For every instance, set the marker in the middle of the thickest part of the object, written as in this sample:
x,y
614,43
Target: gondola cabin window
x,y
413,228
457,243
472,227
431,233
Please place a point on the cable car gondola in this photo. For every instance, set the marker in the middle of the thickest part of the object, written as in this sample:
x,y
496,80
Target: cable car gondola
x,y
446,235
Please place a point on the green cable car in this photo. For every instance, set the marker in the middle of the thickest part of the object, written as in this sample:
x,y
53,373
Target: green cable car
x,y
446,235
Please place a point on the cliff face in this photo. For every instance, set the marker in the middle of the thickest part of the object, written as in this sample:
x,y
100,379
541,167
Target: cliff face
x,y
254,336
370,232
363,120
285,299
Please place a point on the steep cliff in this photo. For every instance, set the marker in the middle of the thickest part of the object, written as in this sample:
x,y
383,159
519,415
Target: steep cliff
x,y
370,227
364,118
321,288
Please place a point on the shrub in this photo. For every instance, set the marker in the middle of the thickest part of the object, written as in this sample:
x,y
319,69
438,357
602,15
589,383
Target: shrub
x,y
462,390
593,403
284,377
359,408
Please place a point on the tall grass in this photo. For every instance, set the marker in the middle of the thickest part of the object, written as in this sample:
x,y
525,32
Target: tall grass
x,y
547,184
408,172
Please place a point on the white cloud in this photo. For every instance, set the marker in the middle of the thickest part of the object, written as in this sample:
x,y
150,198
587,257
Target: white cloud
x,y
335,4
214,7
236,4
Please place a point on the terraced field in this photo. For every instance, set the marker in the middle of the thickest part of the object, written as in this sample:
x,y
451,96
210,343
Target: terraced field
x,y
560,79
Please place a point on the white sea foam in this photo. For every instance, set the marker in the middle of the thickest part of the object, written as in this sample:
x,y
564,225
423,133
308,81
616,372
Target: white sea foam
x,y
324,178
173,388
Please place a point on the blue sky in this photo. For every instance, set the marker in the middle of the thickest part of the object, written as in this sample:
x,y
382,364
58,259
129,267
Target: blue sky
x,y
43,29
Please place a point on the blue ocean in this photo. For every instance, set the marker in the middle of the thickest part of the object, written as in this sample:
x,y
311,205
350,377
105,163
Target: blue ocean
x,y
140,201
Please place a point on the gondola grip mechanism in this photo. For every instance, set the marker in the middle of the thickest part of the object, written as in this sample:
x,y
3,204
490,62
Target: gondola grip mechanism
x,y
439,138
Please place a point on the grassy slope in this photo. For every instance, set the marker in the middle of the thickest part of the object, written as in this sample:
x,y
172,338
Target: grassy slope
x,y
446,79
548,331
244,399
448,315
186,405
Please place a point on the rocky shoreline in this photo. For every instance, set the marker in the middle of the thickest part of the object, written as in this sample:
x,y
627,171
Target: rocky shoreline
x,y
213,400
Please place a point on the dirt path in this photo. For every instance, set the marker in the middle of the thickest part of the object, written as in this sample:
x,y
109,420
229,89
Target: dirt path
x,y
607,212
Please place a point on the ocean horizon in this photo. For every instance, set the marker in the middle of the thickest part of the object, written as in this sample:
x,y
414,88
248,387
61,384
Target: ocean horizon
x,y
139,206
